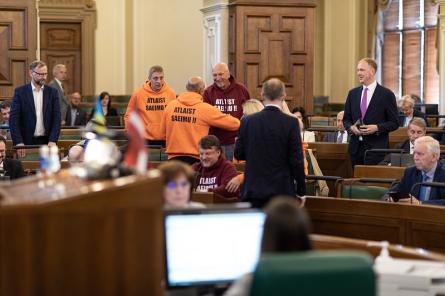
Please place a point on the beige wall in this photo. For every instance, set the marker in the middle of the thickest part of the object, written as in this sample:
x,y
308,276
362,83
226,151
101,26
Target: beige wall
x,y
133,35
341,40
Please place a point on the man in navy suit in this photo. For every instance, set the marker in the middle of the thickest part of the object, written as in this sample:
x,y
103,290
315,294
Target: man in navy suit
x,y
35,110
270,143
340,136
428,168
370,114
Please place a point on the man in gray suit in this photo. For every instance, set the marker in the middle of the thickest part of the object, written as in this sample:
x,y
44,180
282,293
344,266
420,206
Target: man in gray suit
x,y
59,73
340,136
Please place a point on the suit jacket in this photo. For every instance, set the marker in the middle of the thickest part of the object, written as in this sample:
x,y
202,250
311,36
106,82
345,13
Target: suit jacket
x,y
13,168
22,120
332,137
412,176
81,117
270,142
416,113
64,103
382,111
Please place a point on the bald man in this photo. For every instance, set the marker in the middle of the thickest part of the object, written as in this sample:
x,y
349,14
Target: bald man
x,y
270,143
60,76
228,96
188,119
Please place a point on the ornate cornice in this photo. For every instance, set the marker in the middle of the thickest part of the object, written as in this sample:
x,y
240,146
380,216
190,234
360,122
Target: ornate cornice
x,y
68,3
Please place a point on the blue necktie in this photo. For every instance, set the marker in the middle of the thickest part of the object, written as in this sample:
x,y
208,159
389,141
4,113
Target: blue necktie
x,y
423,189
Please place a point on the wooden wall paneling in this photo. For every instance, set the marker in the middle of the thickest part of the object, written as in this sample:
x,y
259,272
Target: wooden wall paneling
x,y
60,43
275,40
63,17
18,43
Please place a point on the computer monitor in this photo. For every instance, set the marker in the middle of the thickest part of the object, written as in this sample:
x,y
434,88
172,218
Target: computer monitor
x,y
211,247
429,109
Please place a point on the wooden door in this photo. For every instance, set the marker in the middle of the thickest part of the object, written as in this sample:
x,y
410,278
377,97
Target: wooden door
x,y
18,43
273,40
60,43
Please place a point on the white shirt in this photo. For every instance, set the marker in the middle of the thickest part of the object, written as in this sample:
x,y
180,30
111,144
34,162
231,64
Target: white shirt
x,y
38,104
345,137
371,89
59,83
411,148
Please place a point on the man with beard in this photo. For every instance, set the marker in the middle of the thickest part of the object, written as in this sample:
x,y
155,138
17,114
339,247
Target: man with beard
x,y
228,96
213,170
35,110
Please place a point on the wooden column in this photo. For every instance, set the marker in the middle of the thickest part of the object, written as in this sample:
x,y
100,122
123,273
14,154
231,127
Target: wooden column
x,y
273,39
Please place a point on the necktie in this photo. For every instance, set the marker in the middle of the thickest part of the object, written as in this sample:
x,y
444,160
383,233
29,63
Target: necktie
x,y
423,189
364,103
340,137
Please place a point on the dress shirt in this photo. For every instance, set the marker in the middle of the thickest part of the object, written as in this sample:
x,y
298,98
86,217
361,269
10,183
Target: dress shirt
x,y
430,175
38,104
73,115
371,89
345,136
411,148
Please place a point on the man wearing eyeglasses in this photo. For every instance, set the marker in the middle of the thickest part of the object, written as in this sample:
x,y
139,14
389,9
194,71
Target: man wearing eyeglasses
x,y
35,111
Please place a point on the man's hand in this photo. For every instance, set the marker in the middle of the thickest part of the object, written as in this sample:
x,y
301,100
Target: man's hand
x,y
52,144
233,185
355,130
21,152
369,129
410,200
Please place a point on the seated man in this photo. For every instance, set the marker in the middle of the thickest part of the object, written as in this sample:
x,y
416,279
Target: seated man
x,y
428,168
5,109
11,168
416,129
76,155
213,170
340,136
408,112
75,115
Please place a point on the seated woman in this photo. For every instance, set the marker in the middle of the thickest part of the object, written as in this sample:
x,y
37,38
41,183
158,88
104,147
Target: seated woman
x,y
286,229
306,136
407,111
178,179
105,101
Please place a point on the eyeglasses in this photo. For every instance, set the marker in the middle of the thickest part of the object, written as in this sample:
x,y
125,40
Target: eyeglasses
x,y
40,74
174,185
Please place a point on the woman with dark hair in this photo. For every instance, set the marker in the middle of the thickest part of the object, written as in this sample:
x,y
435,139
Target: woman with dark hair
x,y
306,136
105,102
178,179
286,229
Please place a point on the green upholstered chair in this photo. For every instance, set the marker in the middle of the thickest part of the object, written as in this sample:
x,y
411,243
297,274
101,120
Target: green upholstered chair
x,y
314,274
363,192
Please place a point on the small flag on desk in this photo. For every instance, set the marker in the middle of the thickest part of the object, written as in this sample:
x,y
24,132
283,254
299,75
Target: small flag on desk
x,y
99,126
136,156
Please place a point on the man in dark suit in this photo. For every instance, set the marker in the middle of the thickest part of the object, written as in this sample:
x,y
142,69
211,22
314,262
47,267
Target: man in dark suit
x,y
408,112
428,168
416,129
11,168
35,110
75,115
375,108
60,75
270,143
340,136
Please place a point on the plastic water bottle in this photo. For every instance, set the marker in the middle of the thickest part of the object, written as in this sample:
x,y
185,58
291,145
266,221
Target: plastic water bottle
x,y
54,160
44,160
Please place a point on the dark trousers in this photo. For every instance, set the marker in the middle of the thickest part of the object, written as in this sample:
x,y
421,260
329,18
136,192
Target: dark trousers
x,y
42,140
187,159
359,157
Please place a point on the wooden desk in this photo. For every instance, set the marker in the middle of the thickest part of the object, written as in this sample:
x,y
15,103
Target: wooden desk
x,y
378,171
416,226
66,236
332,158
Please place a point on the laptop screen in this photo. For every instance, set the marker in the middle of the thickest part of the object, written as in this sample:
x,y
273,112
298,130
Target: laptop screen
x,y
211,247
